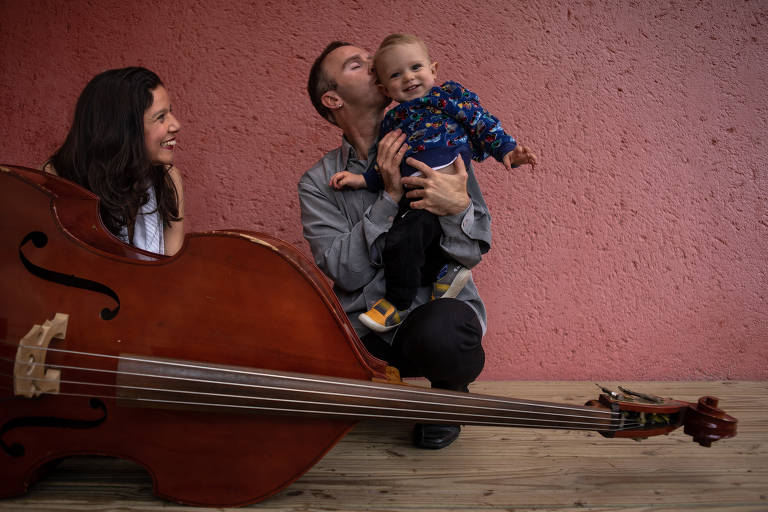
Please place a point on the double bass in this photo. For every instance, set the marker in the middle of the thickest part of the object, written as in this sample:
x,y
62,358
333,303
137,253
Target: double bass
x,y
227,370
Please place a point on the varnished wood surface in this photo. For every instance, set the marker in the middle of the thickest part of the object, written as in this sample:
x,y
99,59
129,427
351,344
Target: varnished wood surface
x,y
376,468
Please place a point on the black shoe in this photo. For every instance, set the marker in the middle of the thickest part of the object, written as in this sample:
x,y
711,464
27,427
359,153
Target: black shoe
x,y
434,437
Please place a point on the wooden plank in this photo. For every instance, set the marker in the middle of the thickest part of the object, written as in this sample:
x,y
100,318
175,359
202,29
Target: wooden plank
x,y
376,468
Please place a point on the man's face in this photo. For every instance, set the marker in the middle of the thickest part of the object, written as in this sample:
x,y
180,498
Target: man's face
x,y
350,68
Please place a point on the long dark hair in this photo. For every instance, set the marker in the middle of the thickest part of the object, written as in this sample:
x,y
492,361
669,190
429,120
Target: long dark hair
x,y
105,150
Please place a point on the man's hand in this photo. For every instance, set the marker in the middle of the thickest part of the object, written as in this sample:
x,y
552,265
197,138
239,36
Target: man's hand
x,y
347,179
390,153
521,155
437,192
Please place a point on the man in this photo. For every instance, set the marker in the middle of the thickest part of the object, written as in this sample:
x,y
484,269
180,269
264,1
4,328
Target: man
x,y
438,339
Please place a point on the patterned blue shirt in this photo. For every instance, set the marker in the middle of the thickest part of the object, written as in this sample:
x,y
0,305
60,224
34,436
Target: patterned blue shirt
x,y
445,123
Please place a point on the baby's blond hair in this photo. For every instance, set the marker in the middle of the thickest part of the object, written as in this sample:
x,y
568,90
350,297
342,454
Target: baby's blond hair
x,y
395,40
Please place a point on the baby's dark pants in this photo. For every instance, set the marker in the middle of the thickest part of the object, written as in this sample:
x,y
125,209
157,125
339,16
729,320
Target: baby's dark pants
x,y
412,254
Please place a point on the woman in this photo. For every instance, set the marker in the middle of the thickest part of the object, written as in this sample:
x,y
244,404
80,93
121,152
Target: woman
x,y
120,147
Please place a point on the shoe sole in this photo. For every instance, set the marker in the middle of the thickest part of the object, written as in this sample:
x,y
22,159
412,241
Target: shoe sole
x,y
374,326
458,284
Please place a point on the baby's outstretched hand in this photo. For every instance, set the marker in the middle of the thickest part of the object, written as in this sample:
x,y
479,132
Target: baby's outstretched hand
x,y
347,179
521,155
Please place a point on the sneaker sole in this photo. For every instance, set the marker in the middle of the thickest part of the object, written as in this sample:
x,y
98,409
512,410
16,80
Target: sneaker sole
x,y
458,284
374,326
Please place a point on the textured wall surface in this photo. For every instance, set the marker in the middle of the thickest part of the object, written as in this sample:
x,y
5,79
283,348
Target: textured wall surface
x,y
637,249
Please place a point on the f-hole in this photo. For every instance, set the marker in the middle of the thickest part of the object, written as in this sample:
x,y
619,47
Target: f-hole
x,y
17,450
40,240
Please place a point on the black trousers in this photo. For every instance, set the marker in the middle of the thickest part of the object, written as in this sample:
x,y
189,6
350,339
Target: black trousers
x,y
412,254
440,340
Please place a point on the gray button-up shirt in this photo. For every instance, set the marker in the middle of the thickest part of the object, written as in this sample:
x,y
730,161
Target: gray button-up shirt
x,y
344,229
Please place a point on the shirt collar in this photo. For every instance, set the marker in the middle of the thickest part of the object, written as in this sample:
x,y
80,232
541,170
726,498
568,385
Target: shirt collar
x,y
348,152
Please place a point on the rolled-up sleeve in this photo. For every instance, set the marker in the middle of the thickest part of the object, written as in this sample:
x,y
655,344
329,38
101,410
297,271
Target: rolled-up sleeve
x,y
467,235
348,253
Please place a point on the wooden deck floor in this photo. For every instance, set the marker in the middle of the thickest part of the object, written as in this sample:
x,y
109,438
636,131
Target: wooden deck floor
x,y
376,468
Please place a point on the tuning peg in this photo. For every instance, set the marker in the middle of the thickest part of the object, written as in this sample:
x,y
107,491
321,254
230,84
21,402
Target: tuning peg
x,y
612,394
651,398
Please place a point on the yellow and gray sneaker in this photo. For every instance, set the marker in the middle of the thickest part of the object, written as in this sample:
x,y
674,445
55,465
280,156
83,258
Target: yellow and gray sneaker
x,y
450,281
382,316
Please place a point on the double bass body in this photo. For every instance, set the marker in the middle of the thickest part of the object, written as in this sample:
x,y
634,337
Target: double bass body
x,y
227,298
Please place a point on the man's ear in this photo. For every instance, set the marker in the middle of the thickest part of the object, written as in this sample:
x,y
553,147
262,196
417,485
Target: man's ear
x,y
331,100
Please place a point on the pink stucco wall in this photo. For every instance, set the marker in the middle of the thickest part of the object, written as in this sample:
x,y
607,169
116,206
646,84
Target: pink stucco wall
x,y
637,249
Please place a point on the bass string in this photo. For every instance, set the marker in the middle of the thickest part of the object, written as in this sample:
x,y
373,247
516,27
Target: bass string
x,y
364,415
565,421
314,380
399,389
402,390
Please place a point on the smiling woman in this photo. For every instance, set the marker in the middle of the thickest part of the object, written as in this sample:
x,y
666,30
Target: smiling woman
x,y
160,128
120,147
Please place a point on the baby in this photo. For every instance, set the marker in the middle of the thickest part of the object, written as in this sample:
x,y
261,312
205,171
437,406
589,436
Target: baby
x,y
441,123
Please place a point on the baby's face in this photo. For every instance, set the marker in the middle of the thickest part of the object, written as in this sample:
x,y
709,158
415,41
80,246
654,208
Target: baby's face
x,y
405,72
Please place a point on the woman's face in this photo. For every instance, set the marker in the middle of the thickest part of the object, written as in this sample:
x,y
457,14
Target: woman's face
x,y
160,128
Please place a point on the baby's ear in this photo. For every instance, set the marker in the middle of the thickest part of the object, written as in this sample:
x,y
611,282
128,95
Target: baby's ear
x,y
433,68
383,90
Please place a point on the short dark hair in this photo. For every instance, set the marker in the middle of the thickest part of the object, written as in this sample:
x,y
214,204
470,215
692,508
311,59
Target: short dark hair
x,y
319,82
